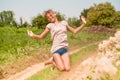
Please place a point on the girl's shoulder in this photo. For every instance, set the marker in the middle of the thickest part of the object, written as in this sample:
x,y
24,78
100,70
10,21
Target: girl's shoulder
x,y
64,22
49,25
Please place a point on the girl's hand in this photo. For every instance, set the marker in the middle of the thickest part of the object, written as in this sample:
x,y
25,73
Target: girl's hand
x,y
83,19
30,33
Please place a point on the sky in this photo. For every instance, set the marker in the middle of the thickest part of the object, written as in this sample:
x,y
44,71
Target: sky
x,y
28,9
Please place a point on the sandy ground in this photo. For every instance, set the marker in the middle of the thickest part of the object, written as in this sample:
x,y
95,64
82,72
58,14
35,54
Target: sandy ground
x,y
74,73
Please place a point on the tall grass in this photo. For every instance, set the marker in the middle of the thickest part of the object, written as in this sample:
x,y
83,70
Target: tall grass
x,y
83,38
15,43
16,46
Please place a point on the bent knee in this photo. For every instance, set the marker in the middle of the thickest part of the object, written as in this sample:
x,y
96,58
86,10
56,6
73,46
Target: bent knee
x,y
67,69
61,68
64,69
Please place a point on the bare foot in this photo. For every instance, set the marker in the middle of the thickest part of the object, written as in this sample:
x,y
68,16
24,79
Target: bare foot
x,y
50,61
53,67
83,19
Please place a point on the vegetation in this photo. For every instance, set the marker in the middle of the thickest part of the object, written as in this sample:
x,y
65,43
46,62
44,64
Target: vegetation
x,y
74,22
100,14
46,74
103,14
39,21
7,18
16,45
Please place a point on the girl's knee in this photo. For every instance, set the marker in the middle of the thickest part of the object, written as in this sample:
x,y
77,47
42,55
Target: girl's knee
x,y
61,69
67,69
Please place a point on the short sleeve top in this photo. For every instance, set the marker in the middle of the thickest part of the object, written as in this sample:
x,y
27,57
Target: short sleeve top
x,y
58,35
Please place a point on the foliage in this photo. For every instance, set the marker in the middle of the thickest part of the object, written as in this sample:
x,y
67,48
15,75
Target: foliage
x,y
117,19
7,18
73,21
101,14
39,21
84,12
15,43
60,16
46,73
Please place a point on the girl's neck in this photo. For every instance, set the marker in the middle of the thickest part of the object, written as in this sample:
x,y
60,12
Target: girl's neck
x,y
56,21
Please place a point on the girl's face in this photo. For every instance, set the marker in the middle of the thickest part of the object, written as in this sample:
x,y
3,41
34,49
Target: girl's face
x,y
51,16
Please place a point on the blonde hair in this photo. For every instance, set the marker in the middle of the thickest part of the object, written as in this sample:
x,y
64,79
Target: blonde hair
x,y
47,12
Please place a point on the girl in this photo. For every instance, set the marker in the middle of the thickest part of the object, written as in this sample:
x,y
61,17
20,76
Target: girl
x,y
58,31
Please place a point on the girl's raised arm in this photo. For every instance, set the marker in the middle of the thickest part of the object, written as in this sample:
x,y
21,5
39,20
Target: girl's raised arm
x,y
78,28
42,35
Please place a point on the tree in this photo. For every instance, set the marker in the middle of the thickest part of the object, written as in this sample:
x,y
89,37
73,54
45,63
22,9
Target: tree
x,y
23,22
60,17
117,17
84,12
7,18
75,22
101,14
1,20
39,21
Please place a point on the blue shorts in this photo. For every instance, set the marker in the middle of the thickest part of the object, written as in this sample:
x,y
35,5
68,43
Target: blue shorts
x,y
61,51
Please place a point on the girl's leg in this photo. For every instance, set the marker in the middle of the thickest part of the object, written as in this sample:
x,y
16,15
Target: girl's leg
x,y
66,61
58,62
50,61
53,66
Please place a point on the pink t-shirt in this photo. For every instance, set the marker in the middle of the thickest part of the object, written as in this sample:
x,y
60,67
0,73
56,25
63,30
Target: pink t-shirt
x,y
58,35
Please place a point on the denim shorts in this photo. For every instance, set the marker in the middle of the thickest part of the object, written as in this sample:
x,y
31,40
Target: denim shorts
x,y
61,51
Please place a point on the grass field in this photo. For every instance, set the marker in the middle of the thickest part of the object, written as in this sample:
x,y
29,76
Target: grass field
x,y
15,42
15,45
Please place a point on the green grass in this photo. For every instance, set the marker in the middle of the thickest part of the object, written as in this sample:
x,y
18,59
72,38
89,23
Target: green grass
x,y
46,74
83,38
15,43
117,76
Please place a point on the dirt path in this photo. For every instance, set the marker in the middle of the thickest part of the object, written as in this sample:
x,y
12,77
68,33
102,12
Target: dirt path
x,y
38,67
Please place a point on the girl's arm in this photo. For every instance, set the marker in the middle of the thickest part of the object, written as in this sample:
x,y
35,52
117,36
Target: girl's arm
x,y
78,28
42,35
